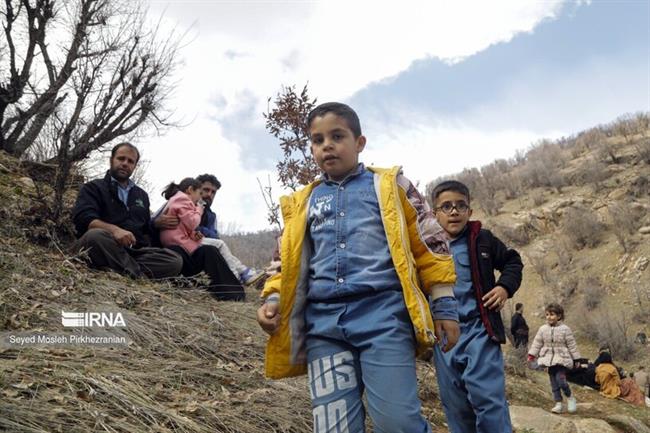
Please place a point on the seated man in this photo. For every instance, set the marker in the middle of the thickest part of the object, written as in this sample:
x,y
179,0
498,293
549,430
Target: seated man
x,y
183,237
111,217
208,227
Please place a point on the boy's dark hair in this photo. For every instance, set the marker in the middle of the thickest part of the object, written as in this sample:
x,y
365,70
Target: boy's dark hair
x,y
518,306
555,308
450,185
173,188
209,178
339,109
127,144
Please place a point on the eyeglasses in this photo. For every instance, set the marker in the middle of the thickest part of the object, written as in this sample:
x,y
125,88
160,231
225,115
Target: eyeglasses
x,y
447,207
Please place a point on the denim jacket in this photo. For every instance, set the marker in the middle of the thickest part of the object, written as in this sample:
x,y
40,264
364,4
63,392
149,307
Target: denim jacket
x,y
418,249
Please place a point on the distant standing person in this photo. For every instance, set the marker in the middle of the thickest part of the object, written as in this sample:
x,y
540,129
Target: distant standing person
x,y
111,218
557,350
518,327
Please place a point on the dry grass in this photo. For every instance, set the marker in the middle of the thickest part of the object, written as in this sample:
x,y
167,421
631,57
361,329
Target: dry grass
x,y
192,364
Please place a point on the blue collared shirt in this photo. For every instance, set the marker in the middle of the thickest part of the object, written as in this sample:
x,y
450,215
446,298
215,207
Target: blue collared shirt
x,y
123,192
350,250
464,291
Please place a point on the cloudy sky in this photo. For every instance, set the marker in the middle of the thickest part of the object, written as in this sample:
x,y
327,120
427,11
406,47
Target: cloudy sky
x,y
438,85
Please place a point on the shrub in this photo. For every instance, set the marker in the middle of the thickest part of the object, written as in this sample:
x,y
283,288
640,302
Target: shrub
x,y
643,150
537,261
592,173
568,285
593,292
538,198
626,220
564,255
609,329
515,361
639,187
591,138
582,227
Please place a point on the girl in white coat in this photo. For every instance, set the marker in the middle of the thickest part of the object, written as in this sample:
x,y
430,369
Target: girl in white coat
x,y
556,348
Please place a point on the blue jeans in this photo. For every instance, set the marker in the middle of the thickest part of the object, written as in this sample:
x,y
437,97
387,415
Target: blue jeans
x,y
362,344
471,382
557,374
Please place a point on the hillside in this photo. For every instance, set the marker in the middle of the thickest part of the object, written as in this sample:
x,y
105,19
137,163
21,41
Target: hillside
x,y
192,364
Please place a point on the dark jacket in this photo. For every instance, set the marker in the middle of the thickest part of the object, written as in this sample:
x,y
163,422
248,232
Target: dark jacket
x,y
98,199
208,224
488,253
518,325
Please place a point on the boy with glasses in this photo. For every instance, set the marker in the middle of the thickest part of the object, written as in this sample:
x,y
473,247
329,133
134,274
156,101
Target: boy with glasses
x,y
470,376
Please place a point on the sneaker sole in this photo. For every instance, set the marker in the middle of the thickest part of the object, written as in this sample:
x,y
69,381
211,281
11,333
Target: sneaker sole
x,y
254,279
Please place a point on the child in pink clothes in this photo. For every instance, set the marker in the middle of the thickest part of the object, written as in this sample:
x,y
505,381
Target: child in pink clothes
x,y
183,199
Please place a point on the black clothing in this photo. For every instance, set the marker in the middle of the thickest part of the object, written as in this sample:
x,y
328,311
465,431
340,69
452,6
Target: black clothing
x,y
104,252
223,284
488,253
519,330
98,199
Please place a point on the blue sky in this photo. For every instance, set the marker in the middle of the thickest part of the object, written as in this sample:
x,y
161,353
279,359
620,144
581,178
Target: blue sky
x,y
601,49
438,86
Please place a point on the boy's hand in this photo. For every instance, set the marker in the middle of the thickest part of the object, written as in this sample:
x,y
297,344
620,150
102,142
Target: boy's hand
x,y
197,236
496,298
447,333
268,316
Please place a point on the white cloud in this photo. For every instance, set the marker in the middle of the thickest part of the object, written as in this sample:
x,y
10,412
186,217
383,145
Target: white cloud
x,y
429,151
253,48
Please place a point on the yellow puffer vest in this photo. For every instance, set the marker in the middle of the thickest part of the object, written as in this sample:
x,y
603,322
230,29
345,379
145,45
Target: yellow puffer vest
x,y
417,268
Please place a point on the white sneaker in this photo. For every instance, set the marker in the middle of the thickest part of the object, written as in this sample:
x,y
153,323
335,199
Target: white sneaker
x,y
572,405
557,408
251,276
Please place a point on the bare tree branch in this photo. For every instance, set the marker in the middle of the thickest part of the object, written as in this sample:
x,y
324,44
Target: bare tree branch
x,y
110,78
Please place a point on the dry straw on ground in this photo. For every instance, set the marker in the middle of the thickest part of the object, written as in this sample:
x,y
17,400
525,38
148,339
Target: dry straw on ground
x,y
193,364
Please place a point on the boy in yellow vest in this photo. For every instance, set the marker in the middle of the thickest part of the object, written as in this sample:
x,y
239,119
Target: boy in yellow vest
x,y
360,253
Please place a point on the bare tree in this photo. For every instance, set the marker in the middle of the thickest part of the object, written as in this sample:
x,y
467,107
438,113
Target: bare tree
x,y
287,122
643,122
625,126
273,209
78,75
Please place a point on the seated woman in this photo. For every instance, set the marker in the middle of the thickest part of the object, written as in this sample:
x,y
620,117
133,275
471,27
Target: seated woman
x,y
611,384
185,240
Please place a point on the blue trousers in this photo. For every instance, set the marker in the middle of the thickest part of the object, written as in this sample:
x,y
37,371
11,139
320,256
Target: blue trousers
x,y
557,374
471,381
363,344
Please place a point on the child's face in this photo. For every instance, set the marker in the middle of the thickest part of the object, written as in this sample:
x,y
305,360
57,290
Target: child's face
x,y
448,214
334,147
194,194
551,317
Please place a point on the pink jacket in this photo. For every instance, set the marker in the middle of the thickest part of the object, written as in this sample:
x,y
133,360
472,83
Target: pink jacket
x,y
189,215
